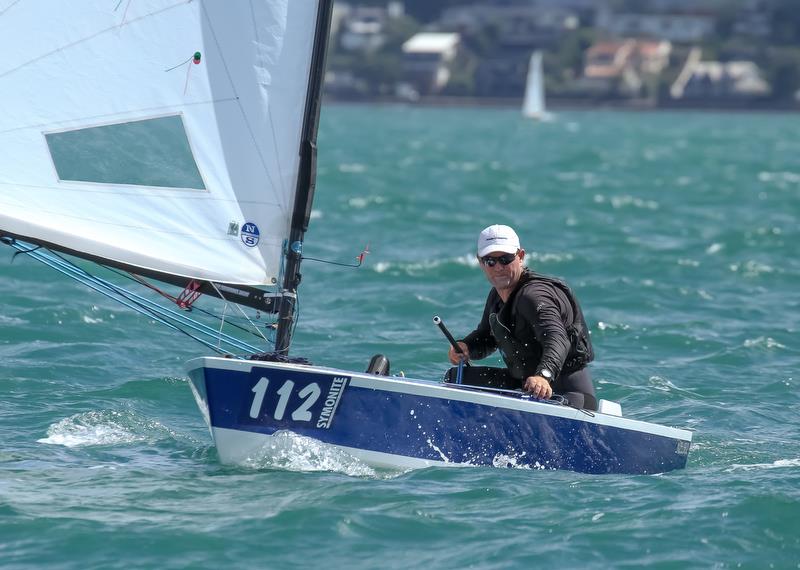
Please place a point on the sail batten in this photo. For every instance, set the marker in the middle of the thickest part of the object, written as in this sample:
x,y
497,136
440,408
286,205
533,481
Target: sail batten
x,y
208,195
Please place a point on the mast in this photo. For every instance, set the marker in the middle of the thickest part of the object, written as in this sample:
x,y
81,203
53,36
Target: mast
x,y
306,180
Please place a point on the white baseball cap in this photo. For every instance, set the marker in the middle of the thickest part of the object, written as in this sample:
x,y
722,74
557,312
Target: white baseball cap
x,y
497,238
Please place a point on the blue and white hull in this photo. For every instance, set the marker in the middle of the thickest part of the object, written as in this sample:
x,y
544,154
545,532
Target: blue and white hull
x,y
394,422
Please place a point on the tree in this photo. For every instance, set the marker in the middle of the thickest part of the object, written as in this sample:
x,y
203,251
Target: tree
x,y
783,73
786,22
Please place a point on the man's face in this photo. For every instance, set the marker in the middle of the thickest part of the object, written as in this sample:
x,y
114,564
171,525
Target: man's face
x,y
503,270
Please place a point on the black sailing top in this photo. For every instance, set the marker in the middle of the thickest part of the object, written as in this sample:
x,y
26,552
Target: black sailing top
x,y
541,326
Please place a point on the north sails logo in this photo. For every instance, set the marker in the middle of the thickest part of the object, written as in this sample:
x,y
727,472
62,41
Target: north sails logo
x,y
332,402
250,234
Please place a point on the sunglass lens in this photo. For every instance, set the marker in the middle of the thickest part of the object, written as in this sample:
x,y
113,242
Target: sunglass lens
x,y
503,259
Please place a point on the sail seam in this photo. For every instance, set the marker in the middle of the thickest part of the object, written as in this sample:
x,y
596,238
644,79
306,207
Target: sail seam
x,y
131,113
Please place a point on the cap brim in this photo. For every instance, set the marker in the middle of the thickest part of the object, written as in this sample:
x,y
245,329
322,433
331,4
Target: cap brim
x,y
497,249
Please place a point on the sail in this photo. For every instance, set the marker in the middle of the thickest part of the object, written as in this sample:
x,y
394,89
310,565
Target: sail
x,y
533,105
156,134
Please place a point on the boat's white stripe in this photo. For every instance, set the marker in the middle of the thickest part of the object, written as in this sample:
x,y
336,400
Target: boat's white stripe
x,y
237,447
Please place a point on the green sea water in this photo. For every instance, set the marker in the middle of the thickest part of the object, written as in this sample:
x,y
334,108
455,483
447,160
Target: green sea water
x,y
679,233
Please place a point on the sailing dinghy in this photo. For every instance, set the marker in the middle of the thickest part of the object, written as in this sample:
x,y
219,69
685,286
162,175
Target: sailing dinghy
x,y
174,142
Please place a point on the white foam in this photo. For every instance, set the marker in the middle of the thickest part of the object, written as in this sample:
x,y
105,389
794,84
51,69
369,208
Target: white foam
x,y
780,463
104,427
414,268
751,268
352,168
785,176
661,384
762,342
293,452
515,462
602,325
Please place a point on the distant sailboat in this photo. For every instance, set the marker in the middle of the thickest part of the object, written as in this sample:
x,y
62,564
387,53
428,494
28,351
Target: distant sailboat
x,y
533,105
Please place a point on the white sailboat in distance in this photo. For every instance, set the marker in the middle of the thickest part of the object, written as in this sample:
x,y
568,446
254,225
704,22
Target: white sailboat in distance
x,y
533,106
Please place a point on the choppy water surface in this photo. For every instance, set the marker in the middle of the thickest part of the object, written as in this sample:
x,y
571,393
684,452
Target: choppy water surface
x,y
679,233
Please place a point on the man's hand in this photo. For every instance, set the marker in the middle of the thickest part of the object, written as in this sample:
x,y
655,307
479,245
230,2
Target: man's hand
x,y
455,357
538,386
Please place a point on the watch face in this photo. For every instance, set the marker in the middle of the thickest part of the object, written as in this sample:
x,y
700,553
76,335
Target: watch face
x,y
547,374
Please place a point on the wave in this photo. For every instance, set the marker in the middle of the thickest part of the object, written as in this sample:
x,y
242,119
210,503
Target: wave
x,y
467,260
626,201
105,427
778,464
762,342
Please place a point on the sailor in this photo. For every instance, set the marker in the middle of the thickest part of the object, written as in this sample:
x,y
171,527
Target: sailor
x,y
536,323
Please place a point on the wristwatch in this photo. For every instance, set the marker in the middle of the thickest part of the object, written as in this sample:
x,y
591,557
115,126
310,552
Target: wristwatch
x,y
546,374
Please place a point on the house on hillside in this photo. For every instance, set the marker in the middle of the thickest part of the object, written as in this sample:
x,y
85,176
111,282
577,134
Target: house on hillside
x,y
719,81
618,68
426,60
362,27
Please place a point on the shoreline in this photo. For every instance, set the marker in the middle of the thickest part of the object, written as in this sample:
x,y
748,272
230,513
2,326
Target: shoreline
x,y
568,104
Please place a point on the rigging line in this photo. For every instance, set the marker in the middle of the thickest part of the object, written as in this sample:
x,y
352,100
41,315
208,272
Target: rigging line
x,y
238,100
120,298
16,253
67,266
221,296
125,14
113,28
296,320
222,321
334,262
114,292
180,64
156,312
7,8
138,279
141,281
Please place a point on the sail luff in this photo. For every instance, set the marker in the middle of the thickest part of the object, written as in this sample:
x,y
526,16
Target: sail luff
x,y
306,181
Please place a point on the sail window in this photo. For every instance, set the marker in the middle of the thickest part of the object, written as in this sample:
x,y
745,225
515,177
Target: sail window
x,y
151,152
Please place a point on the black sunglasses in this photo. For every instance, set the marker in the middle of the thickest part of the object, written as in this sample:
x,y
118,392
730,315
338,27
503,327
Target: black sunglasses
x,y
489,261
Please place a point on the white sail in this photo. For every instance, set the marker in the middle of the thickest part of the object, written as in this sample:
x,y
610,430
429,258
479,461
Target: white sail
x,y
161,134
533,106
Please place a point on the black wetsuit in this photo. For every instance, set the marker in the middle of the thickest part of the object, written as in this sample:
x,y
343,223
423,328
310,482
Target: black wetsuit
x,y
540,327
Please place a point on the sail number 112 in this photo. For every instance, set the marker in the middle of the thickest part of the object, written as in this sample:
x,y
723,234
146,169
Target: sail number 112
x,y
309,396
